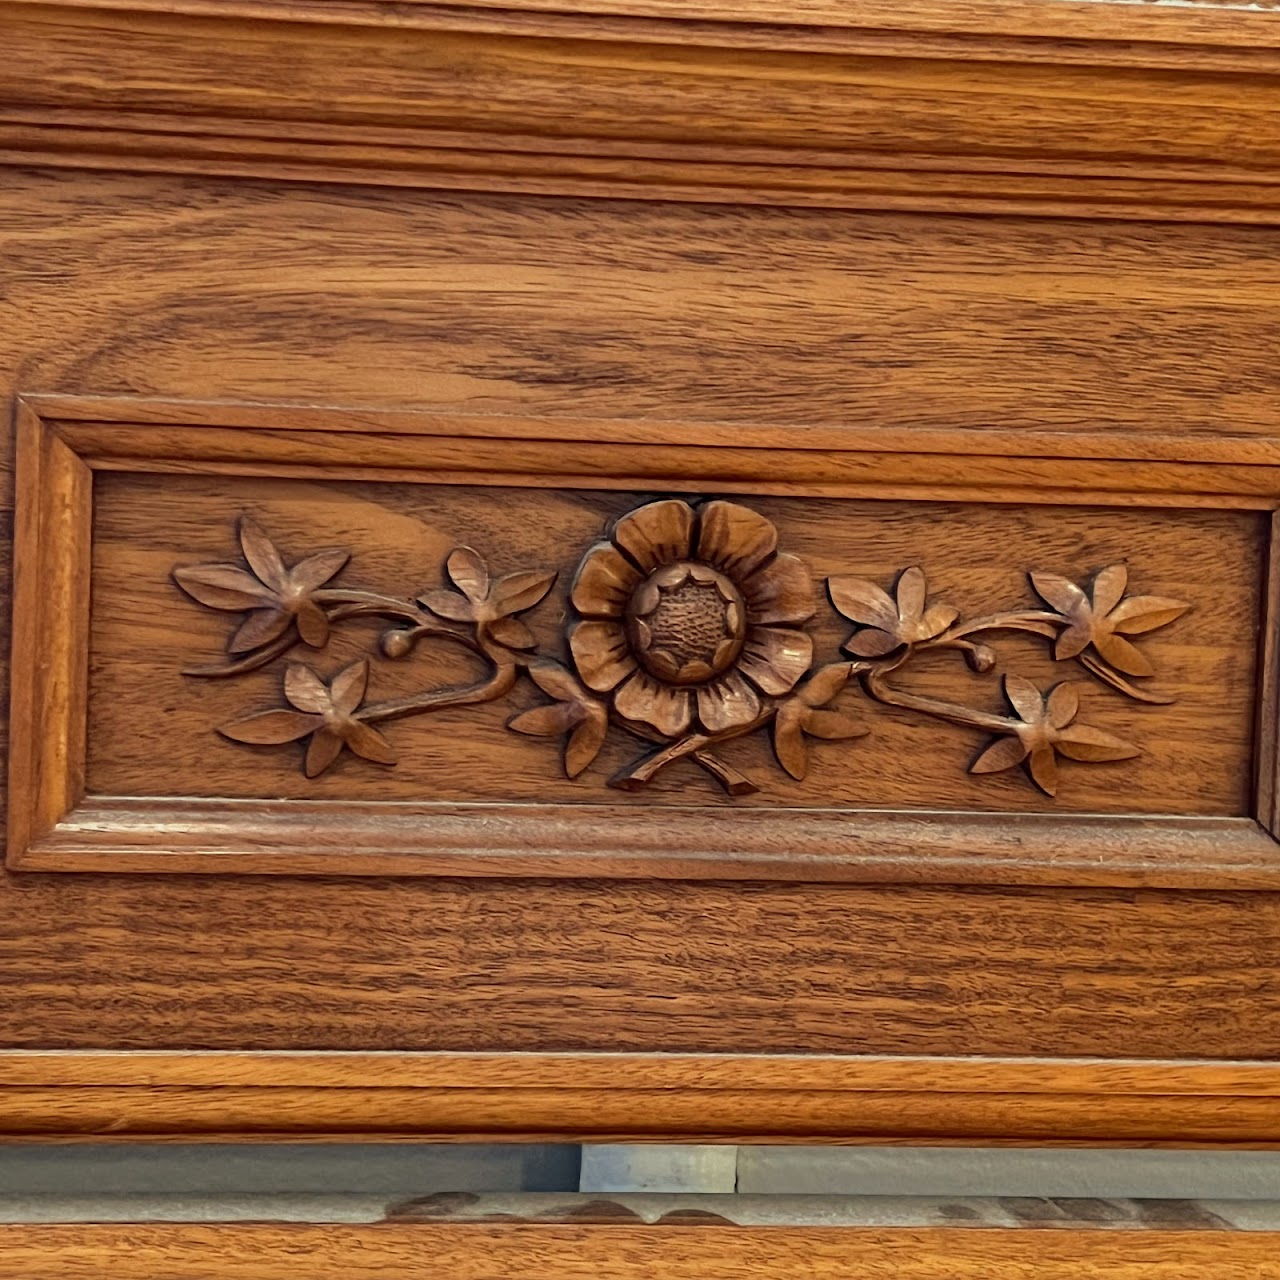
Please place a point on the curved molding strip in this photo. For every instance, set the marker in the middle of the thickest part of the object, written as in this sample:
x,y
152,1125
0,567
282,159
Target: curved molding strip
x,y
1034,106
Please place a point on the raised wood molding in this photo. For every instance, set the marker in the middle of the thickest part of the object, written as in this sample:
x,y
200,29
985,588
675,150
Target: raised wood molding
x,y
58,1096
481,1251
1045,107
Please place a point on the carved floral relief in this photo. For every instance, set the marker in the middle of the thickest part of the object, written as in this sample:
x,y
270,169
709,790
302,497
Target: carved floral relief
x,y
690,629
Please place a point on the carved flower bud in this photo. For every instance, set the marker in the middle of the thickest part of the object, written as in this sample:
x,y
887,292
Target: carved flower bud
x,y
395,643
981,658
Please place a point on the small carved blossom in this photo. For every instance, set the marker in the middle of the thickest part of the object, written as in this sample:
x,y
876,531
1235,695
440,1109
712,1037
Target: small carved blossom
x,y
575,712
1046,732
1105,616
276,596
807,712
888,622
325,712
490,603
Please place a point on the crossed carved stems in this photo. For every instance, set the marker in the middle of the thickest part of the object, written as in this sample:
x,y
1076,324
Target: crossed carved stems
x,y
690,632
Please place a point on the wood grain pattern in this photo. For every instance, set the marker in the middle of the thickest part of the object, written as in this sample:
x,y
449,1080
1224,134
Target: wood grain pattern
x,y
871,109
482,1252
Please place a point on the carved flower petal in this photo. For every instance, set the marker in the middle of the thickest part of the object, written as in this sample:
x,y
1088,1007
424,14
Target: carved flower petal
x,y
584,744
871,642
780,592
647,702
555,681
259,628
313,626
368,743
1122,655
727,703
519,591
224,586
734,538
262,555
548,721
1024,698
322,751
1108,588
910,594
513,633
1073,640
448,604
656,533
835,725
1002,754
1062,594
604,581
348,688
774,658
1043,767
864,602
468,572
1145,613
1080,742
316,570
1062,705
270,728
305,689
601,654
789,744
937,618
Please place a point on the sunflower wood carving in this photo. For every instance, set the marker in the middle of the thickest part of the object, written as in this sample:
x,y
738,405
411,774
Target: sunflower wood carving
x,y
689,631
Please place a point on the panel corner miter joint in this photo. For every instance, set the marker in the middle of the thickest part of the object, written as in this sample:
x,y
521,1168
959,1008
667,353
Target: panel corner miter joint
x,y
689,629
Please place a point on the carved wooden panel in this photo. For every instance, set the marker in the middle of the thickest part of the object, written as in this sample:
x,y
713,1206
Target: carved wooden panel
x,y
467,645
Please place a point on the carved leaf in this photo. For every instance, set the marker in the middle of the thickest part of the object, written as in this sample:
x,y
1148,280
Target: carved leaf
x,y
517,592
871,642
911,593
261,627
937,618
448,604
556,682
1145,613
1080,742
271,728
789,746
1062,706
323,749
223,586
548,721
1123,655
1003,753
367,743
584,743
1024,698
316,570
513,633
824,684
835,725
313,626
305,689
1108,588
262,555
1043,767
1062,594
348,688
468,572
864,602
1117,681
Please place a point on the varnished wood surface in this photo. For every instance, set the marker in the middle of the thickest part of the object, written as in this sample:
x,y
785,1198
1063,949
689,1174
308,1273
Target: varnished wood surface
x,y
979,111
486,1252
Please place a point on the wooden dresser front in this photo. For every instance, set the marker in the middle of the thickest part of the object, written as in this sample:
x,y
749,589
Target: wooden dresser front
x,y
641,569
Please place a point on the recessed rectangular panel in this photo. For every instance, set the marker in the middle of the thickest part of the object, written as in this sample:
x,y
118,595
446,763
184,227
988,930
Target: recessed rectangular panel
x,y
297,667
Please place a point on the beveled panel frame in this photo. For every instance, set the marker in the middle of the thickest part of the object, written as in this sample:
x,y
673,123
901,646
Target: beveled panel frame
x,y
55,825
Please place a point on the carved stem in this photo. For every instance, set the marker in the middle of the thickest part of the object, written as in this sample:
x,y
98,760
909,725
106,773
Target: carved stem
x,y
499,683
250,662
877,688
643,772
1036,621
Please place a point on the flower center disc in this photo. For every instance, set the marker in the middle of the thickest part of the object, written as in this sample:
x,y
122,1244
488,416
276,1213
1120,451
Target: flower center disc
x,y
686,623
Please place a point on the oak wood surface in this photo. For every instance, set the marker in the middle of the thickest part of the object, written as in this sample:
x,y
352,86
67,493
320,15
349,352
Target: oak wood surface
x,y
272,1251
